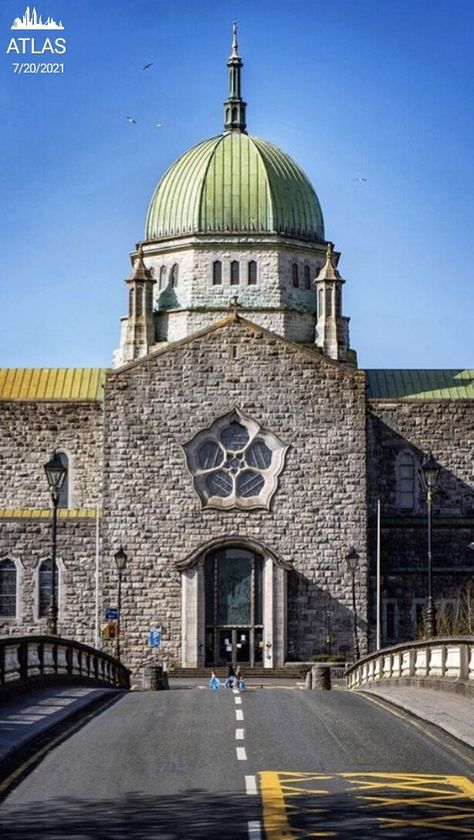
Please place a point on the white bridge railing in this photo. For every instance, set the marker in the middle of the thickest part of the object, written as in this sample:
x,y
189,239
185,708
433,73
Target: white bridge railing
x,y
435,659
35,659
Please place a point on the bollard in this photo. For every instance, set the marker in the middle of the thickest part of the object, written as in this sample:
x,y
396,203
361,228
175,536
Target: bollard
x,y
321,677
308,680
153,678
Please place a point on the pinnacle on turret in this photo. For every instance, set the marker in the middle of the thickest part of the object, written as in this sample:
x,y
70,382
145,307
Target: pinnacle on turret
x,y
329,270
234,106
140,271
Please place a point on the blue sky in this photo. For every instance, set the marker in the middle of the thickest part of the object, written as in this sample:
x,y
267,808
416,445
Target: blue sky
x,y
380,89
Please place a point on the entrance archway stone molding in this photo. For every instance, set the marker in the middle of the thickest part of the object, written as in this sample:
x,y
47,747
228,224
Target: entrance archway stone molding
x,y
228,542
193,600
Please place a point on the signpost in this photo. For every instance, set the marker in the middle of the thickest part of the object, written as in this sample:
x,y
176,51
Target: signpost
x,y
154,637
111,614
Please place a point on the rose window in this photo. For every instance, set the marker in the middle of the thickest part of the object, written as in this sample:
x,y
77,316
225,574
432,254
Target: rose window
x,y
235,463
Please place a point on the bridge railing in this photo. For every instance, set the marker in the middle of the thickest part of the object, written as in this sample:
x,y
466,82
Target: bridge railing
x,y
447,659
41,659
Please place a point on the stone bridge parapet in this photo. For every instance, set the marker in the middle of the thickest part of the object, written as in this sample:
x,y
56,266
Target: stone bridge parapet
x,y
27,662
447,664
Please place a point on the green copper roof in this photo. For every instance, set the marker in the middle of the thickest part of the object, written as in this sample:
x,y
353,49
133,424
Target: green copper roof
x,y
235,183
420,384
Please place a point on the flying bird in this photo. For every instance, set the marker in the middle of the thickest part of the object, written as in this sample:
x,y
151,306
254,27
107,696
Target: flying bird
x,y
359,179
159,125
131,120
150,64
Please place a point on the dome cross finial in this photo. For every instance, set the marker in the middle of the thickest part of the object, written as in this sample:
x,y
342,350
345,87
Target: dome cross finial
x,y
234,106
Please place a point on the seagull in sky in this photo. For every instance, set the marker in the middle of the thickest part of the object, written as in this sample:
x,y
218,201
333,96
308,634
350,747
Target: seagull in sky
x,y
359,179
150,64
131,120
159,125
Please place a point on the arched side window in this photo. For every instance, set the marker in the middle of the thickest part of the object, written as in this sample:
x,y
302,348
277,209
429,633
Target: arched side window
x,y
234,273
406,481
130,302
45,587
149,299
63,498
162,283
252,273
217,273
8,588
307,277
294,275
174,276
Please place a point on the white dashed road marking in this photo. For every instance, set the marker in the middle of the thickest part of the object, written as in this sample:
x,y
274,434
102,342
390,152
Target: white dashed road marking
x,y
238,701
241,753
239,734
255,830
251,785
239,714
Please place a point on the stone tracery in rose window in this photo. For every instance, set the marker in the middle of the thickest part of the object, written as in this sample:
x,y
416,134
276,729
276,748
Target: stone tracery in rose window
x,y
235,463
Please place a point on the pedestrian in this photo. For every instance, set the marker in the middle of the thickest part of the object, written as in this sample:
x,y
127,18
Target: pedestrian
x,y
214,681
229,683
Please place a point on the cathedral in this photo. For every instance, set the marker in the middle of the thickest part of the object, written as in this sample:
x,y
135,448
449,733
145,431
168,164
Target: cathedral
x,y
263,489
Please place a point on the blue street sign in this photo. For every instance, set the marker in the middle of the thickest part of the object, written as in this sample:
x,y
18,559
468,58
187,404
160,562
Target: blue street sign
x,y
154,638
111,614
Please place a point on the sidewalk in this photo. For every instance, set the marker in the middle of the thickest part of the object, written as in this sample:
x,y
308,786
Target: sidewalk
x,y
24,719
449,711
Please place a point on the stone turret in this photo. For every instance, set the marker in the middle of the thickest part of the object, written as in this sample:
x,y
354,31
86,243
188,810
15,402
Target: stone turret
x,y
139,329
332,329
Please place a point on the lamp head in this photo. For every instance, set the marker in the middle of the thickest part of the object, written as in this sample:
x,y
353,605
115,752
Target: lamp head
x,y
55,472
120,558
352,559
428,473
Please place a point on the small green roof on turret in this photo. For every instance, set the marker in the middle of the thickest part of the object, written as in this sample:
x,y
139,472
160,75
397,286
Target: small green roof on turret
x,y
234,183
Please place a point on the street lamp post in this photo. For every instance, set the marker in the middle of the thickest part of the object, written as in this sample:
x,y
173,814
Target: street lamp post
x,y
428,476
352,559
55,473
121,561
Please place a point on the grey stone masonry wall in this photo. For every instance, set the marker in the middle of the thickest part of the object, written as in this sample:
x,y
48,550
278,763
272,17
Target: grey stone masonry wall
x,y
415,426
27,541
30,431
155,405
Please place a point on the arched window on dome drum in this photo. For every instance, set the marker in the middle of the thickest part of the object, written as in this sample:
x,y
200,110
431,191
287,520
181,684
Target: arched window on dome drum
x,y
294,275
328,301
163,277
174,276
8,586
217,273
45,587
307,277
406,481
234,273
138,301
252,275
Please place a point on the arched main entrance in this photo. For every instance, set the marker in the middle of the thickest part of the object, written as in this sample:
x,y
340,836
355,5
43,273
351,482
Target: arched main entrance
x,y
233,610
233,596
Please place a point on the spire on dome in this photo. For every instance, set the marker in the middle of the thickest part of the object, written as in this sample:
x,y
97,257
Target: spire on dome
x,y
234,106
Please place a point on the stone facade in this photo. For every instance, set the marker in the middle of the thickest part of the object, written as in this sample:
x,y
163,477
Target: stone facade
x,y
317,408
414,427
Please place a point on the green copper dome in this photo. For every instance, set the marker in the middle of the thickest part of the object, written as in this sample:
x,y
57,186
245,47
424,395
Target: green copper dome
x,y
235,184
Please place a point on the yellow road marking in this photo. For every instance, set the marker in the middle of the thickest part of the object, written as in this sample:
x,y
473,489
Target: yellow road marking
x,y
445,796
274,811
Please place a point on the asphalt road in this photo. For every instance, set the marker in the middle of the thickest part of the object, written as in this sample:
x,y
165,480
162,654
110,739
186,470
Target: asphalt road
x,y
271,763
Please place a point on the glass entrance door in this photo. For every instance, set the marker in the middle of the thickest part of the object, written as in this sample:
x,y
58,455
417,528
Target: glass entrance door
x,y
234,608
